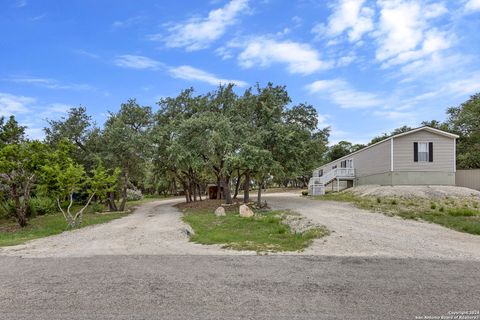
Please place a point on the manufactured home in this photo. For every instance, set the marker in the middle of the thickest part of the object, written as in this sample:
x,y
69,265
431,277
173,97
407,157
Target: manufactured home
x,y
422,156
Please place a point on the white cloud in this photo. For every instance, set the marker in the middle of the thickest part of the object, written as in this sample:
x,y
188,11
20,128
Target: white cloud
x,y
341,93
57,108
137,62
348,15
199,33
299,58
20,3
345,61
49,83
191,73
472,5
405,33
467,86
127,22
12,104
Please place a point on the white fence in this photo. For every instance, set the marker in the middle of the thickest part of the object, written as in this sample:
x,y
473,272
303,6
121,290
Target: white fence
x,y
468,178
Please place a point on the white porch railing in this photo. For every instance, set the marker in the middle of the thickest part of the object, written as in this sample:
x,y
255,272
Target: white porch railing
x,y
316,185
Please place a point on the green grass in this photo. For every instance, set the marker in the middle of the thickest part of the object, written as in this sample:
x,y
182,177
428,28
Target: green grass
x,y
262,233
458,214
47,225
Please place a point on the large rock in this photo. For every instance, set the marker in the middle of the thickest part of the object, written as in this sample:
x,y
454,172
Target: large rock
x,y
188,231
245,211
220,212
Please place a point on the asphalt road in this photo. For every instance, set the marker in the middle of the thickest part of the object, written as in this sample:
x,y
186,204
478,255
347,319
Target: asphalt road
x,y
235,287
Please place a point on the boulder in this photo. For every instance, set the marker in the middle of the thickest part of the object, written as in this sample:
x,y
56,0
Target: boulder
x,y
220,212
245,211
188,231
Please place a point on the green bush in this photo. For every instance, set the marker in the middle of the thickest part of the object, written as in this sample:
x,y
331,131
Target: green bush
x,y
463,212
41,206
97,207
7,208
304,193
134,194
433,206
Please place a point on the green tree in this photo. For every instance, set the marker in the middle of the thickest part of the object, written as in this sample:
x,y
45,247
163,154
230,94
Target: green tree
x,y
339,150
62,178
394,132
465,121
79,129
126,145
20,160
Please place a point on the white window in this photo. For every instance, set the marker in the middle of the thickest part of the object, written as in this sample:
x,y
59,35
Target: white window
x,y
350,163
423,151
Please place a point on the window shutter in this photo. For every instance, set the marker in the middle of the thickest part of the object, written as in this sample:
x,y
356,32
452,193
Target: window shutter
x,y
415,151
430,152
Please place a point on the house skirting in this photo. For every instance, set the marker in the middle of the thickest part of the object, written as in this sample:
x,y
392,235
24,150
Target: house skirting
x,y
408,178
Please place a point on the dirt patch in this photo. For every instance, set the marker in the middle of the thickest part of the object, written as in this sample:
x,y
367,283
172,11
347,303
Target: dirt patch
x,y
9,227
433,192
209,205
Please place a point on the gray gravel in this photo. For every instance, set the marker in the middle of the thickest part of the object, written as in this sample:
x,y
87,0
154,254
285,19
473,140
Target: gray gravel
x,y
234,287
431,192
156,229
359,232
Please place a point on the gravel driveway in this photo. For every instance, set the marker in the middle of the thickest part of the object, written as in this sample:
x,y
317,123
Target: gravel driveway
x,y
362,233
156,229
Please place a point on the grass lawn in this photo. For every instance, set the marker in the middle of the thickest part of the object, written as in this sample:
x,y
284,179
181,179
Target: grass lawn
x,y
262,233
461,214
47,225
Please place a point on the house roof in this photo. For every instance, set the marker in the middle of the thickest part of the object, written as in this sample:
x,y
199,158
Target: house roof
x,y
426,128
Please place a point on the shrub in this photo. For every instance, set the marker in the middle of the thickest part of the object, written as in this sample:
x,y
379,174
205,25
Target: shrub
x,y
394,202
379,200
134,194
41,206
433,206
304,193
463,212
7,209
97,207
441,209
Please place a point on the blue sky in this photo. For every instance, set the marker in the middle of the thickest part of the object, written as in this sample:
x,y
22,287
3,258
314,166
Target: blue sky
x,y
367,66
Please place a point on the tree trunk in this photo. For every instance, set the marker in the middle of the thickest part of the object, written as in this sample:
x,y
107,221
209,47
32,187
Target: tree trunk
x,y
199,191
226,190
112,206
237,184
20,214
246,188
259,196
124,193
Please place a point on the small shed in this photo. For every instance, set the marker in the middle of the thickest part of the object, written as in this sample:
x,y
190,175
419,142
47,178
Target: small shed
x,y
212,191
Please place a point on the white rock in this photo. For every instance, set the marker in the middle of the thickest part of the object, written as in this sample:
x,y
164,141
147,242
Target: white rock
x,y
220,212
245,211
188,231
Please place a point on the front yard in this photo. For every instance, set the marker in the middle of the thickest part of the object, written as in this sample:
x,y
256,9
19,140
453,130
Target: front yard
x,y
50,224
264,232
458,213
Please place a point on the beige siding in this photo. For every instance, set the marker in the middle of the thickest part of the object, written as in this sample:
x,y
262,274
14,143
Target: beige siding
x,y
369,161
443,152
468,178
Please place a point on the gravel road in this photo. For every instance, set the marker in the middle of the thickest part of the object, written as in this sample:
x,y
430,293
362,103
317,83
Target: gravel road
x,y
234,287
156,229
362,233
143,267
